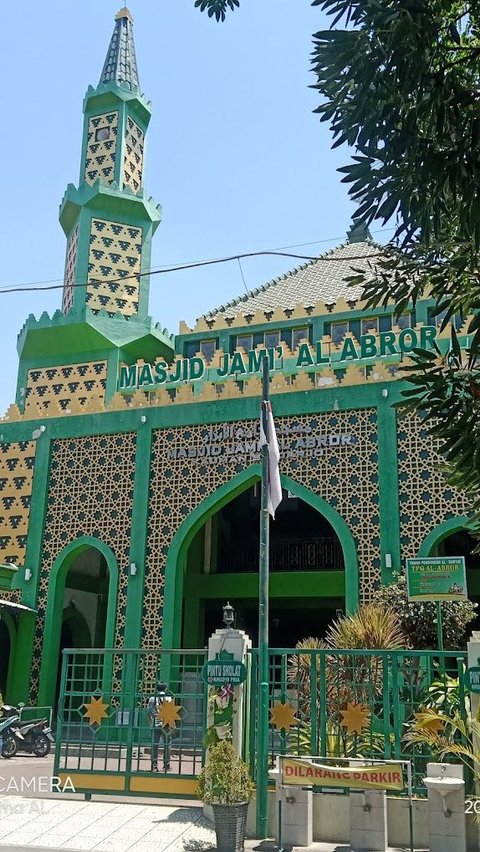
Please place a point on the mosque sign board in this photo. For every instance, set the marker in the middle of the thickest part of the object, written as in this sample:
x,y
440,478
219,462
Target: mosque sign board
x,y
436,578
241,365
472,679
305,438
224,670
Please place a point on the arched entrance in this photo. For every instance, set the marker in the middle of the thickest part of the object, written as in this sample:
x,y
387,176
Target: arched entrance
x,y
453,538
81,607
214,558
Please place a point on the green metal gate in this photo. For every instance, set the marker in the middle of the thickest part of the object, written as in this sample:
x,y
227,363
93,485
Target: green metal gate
x,y
104,739
350,703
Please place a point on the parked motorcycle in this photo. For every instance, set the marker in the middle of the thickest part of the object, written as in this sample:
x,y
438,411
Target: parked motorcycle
x,y
33,737
9,740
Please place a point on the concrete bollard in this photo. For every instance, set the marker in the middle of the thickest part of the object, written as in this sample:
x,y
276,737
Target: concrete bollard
x,y
296,815
368,820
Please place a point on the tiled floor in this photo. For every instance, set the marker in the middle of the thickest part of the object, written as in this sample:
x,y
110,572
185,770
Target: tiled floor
x,y
103,827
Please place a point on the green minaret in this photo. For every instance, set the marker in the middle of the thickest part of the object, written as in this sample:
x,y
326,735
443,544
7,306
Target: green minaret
x,y
109,222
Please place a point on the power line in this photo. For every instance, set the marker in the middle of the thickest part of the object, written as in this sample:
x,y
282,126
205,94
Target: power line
x,y
38,285
180,267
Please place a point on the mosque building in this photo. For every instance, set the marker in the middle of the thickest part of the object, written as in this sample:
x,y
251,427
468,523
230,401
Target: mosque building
x,y
130,462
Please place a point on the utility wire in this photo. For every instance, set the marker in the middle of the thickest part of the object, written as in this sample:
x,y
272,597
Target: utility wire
x,y
33,285
180,267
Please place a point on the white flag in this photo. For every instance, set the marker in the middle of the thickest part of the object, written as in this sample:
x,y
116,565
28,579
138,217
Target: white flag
x,y
274,484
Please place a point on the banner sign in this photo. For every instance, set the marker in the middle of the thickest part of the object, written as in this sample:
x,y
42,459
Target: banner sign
x,y
241,364
436,578
472,679
224,670
304,773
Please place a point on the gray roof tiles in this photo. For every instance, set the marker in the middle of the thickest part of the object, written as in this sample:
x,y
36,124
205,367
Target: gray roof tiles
x,y
318,280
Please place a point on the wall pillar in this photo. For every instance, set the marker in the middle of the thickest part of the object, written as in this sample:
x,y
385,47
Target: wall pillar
x,y
226,712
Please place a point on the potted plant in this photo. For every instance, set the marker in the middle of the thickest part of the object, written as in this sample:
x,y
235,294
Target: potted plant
x,y
225,784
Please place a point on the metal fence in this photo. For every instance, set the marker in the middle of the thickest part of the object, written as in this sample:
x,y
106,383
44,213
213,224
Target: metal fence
x,y
345,704
353,703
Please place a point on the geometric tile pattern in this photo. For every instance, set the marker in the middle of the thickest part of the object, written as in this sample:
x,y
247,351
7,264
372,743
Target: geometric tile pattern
x,y
90,493
426,500
115,253
69,279
133,160
101,148
17,461
58,387
184,472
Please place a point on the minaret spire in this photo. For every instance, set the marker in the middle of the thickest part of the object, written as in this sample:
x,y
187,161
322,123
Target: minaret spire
x,y
121,62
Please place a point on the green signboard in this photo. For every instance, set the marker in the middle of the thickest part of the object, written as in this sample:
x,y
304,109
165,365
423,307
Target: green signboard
x,y
224,670
472,679
436,578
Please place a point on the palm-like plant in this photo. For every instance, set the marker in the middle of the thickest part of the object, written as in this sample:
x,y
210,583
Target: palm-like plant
x,y
303,669
372,627
446,736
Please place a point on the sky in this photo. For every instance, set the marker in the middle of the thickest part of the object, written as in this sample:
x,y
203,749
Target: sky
x,y
235,155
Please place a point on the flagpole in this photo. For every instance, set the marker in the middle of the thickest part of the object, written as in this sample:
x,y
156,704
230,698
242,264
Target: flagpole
x,y
263,672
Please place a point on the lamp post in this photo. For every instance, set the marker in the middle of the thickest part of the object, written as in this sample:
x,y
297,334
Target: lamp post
x,y
228,615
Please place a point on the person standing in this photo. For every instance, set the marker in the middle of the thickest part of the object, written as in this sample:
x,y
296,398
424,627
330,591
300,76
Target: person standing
x,y
160,730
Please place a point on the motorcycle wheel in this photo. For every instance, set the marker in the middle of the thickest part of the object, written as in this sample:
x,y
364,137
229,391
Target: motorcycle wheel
x,y
9,746
41,746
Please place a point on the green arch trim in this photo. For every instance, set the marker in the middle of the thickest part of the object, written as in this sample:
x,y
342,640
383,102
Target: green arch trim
x,y
53,614
78,625
435,536
12,635
177,554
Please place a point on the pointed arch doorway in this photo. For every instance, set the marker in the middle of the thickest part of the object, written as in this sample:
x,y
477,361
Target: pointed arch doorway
x,y
81,607
313,565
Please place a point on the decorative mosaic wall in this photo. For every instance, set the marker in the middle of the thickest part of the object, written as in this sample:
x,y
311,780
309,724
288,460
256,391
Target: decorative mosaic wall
x,y
101,148
334,455
64,388
17,461
90,493
425,498
115,253
70,264
133,160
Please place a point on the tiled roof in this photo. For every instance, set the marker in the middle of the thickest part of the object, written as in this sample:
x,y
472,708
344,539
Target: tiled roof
x,y
318,280
121,63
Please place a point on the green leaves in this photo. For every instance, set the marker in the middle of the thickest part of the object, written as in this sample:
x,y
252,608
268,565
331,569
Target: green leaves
x,y
217,8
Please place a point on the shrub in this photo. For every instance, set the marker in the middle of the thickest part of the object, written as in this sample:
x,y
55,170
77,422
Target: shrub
x,y
225,780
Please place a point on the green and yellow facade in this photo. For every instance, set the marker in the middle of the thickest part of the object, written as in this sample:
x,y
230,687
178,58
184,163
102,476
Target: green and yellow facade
x,y
130,458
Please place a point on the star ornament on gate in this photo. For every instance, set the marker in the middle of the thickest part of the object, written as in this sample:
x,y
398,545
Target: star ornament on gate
x,y
169,714
96,710
282,716
355,717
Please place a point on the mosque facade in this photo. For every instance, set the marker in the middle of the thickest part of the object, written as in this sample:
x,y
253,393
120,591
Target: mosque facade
x,y
130,460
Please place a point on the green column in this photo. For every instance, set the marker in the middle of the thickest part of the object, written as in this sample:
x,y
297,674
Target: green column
x,y
138,544
388,488
33,560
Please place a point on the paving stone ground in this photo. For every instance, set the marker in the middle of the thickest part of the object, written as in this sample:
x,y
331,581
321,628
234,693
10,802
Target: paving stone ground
x,y
50,825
